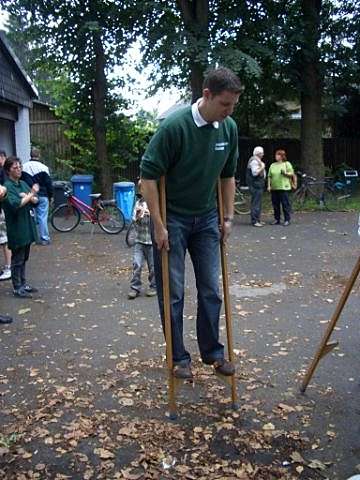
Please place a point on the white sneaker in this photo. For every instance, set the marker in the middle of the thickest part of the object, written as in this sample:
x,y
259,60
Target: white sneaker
x,y
5,274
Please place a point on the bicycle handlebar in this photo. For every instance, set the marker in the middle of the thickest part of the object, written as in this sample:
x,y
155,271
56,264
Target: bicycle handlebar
x,y
67,191
305,175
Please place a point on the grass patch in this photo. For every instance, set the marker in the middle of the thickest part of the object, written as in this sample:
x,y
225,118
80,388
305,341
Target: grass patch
x,y
344,204
339,203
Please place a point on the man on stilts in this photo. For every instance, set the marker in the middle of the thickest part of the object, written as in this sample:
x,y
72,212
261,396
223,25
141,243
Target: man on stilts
x,y
192,148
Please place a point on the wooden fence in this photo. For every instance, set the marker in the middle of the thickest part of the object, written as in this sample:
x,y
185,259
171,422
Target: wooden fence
x,y
47,132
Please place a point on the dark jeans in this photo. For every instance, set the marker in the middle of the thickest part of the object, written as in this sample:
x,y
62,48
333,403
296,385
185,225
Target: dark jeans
x,y
281,198
256,198
200,236
19,256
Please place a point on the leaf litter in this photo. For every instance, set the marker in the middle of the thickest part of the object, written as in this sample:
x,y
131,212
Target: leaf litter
x,y
131,437
111,423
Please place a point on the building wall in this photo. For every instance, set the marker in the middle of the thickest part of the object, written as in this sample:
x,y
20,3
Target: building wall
x,y
7,136
22,135
16,95
13,87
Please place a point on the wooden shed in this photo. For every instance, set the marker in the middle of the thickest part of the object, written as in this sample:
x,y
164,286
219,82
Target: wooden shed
x,y
17,93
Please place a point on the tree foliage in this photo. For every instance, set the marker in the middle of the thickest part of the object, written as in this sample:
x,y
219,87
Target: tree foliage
x,y
298,51
183,35
82,40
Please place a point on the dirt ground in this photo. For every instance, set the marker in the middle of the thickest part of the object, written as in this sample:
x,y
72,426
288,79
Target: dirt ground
x,y
83,383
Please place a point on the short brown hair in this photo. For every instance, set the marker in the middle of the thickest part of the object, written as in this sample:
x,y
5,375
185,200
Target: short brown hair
x,y
282,153
35,152
222,79
9,162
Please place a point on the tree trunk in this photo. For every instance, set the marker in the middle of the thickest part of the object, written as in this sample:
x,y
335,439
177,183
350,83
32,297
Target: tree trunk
x,y
195,15
99,96
311,116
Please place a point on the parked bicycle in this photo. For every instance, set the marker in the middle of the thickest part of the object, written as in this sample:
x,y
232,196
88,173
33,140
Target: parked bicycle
x,y
322,192
105,213
242,199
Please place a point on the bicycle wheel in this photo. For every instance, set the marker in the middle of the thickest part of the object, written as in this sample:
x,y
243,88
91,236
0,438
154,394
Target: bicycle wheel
x,y
65,218
298,199
131,234
111,219
241,203
337,200
329,198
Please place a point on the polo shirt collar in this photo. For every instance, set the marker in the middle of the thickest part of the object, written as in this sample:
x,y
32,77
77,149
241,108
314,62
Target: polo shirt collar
x,y
198,119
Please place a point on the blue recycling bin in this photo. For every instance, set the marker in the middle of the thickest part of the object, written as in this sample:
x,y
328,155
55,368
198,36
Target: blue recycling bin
x,y
82,187
124,194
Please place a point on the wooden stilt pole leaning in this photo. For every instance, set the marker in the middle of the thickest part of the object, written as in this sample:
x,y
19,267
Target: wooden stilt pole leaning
x,y
325,347
167,314
231,380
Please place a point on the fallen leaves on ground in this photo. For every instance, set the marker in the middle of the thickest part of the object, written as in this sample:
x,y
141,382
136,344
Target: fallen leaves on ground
x,y
132,438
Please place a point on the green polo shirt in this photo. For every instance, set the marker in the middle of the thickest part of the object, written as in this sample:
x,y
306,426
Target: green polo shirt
x,y
192,158
277,180
20,222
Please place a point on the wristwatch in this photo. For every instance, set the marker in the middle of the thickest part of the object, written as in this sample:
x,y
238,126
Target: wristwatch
x,y
228,219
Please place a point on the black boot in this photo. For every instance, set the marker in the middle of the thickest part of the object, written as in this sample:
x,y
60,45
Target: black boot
x,y
4,319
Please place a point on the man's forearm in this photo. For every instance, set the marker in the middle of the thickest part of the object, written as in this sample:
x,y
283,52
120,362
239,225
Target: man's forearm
x,y
228,196
151,194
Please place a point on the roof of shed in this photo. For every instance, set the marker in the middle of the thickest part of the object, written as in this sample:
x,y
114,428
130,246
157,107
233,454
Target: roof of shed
x,y
15,62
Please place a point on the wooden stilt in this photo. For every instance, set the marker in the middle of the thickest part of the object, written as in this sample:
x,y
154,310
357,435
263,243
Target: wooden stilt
x,y
325,346
167,314
225,278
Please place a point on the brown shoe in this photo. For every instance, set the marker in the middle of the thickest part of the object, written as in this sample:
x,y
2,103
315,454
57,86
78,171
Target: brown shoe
x,y
224,367
183,372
